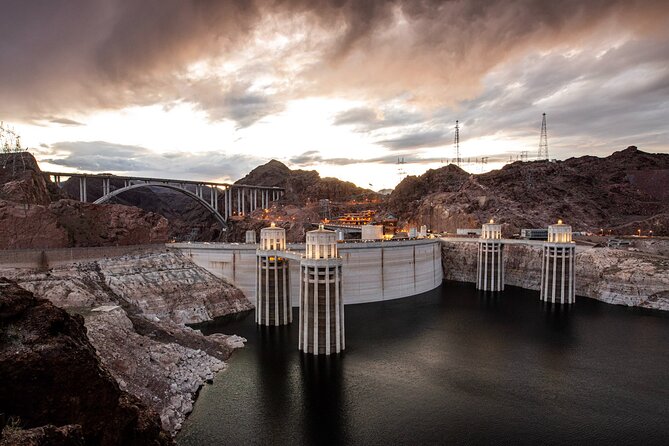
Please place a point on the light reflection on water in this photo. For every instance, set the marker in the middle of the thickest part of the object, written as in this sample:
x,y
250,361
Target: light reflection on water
x,y
452,365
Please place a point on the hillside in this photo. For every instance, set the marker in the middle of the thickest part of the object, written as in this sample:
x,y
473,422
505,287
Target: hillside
x,y
186,218
623,192
304,186
34,213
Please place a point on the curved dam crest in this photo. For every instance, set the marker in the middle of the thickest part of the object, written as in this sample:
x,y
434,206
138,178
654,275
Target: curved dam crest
x,y
372,271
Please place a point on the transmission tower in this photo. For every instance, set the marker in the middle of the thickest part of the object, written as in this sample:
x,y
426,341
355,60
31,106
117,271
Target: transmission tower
x,y
400,167
456,143
543,141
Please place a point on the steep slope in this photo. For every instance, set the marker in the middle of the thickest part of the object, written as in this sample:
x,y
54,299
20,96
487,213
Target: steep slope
x,y
623,191
303,186
134,308
50,374
187,219
34,214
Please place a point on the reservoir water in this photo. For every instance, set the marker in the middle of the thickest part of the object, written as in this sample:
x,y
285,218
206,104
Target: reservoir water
x,y
448,366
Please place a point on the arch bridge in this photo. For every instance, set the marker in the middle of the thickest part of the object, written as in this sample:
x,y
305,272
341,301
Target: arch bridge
x,y
223,200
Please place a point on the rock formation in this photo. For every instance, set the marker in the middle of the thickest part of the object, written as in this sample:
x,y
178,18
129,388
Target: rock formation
x,y
51,379
303,186
187,219
622,193
33,214
611,275
134,308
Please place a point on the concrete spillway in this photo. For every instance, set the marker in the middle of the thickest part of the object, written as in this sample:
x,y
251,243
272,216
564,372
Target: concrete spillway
x,y
371,271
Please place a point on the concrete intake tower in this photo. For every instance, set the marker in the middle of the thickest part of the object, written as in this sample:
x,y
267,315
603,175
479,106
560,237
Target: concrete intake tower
x,y
557,267
490,270
273,305
321,303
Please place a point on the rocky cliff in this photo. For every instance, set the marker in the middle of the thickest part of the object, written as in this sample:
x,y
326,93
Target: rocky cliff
x,y
134,308
187,219
610,275
53,386
622,193
302,186
33,214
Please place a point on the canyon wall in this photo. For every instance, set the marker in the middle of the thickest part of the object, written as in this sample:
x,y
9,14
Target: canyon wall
x,y
53,388
611,275
134,308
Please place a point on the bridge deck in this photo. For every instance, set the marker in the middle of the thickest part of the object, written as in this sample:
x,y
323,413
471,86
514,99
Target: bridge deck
x,y
158,180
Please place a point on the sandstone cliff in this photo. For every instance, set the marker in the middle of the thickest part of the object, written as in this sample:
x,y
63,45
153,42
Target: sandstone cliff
x,y
51,375
622,193
134,308
610,275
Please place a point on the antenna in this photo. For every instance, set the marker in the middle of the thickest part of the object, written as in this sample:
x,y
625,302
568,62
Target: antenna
x,y
543,140
456,143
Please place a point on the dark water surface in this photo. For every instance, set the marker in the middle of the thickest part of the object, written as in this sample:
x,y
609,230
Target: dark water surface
x,y
448,366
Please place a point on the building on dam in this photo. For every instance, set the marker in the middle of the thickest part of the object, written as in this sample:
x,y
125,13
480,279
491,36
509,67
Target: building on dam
x,y
490,265
557,268
321,330
273,305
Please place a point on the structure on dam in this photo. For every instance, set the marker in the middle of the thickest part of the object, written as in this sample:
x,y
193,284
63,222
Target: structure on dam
x,y
321,330
557,268
272,279
490,269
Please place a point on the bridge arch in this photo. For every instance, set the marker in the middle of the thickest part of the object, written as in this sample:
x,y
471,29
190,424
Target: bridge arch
x,y
206,205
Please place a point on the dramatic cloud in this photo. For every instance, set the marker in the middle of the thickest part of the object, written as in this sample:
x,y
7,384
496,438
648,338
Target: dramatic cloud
x,y
98,53
405,70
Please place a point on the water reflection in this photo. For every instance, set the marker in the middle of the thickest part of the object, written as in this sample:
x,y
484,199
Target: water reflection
x,y
325,410
450,366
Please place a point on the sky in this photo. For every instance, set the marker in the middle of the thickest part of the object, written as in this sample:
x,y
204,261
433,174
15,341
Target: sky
x,y
207,89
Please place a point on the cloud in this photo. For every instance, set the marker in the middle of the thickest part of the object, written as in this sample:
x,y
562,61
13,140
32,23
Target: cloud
x,y
65,122
115,53
101,156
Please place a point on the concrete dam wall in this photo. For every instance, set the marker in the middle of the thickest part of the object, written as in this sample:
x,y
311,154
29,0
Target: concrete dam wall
x,y
371,271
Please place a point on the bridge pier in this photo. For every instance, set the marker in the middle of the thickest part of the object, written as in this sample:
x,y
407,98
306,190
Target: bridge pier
x,y
106,186
82,189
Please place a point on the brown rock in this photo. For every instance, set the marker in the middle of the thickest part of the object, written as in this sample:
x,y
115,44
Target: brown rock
x,y
50,374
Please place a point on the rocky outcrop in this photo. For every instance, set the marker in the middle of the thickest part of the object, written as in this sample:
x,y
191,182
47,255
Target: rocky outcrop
x,y
592,194
69,223
610,275
302,186
21,180
50,375
33,214
187,219
134,307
